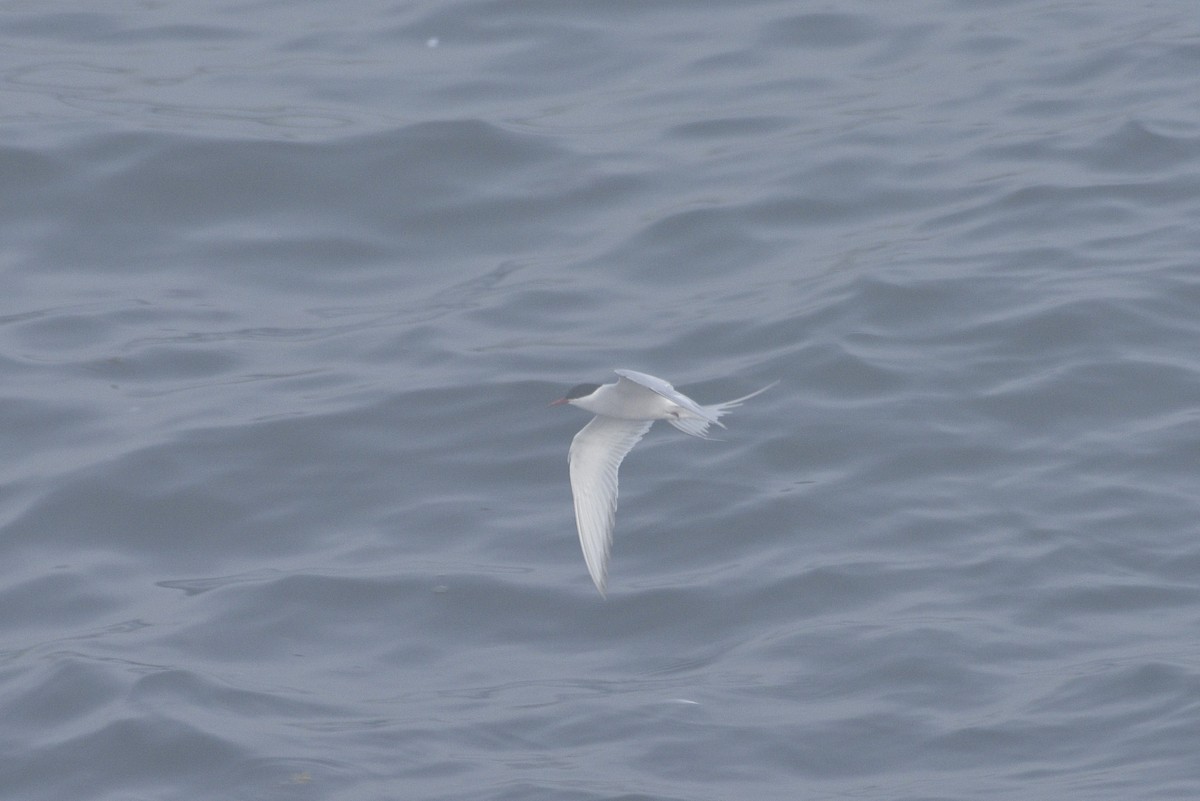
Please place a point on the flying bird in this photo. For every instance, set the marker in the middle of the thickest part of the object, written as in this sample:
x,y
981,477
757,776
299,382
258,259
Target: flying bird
x,y
624,413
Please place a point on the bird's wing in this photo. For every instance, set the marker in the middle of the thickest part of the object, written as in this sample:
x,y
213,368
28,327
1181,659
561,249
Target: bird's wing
x,y
596,455
663,388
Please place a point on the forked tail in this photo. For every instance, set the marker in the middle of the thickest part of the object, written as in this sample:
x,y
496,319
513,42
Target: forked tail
x,y
698,426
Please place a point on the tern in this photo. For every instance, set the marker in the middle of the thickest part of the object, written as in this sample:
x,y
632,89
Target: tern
x,y
624,413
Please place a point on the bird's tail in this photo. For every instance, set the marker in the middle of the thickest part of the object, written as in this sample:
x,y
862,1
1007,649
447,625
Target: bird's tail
x,y
698,426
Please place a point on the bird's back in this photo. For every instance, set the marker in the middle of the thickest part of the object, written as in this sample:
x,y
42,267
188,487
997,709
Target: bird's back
x,y
655,394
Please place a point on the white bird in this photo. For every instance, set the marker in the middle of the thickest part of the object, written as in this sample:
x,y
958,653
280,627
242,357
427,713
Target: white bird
x,y
624,413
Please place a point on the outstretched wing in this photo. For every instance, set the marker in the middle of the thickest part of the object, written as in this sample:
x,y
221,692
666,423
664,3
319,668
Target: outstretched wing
x,y
663,388
596,454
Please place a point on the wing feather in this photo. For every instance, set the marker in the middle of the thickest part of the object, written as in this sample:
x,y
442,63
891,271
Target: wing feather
x,y
596,454
663,388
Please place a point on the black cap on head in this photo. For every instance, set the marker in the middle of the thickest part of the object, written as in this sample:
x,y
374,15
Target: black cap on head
x,y
581,390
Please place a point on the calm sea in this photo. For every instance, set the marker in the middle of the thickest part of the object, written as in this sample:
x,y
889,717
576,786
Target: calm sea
x,y
287,286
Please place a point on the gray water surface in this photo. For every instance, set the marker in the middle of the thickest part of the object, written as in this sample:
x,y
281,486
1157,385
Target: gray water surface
x,y
287,287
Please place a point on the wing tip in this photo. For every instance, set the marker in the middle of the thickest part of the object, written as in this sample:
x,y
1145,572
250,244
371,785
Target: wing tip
x,y
599,574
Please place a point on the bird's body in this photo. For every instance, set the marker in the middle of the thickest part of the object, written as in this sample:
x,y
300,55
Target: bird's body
x,y
624,413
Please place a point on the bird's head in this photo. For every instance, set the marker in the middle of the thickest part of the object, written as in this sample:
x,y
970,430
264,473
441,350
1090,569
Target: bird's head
x,y
575,393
